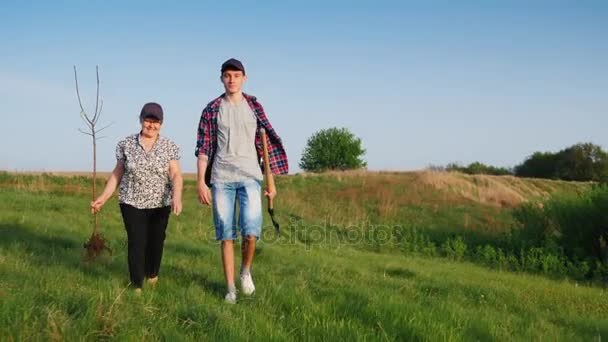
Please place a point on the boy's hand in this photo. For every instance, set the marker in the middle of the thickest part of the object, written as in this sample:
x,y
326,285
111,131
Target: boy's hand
x,y
204,194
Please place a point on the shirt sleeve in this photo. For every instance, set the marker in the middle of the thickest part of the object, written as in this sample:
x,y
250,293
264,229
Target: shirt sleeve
x,y
120,152
173,151
276,152
202,137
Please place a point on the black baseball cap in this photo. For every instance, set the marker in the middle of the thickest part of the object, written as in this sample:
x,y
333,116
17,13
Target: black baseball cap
x,y
152,110
233,64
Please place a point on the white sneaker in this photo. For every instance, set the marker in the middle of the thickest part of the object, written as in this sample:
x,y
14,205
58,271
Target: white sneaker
x,y
230,298
247,284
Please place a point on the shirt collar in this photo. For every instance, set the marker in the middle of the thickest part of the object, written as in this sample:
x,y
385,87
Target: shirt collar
x,y
138,137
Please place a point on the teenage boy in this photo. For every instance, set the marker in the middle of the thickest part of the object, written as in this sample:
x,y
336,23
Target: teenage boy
x,y
229,152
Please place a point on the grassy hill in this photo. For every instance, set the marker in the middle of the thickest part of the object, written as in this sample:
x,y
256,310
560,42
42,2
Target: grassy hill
x,y
339,272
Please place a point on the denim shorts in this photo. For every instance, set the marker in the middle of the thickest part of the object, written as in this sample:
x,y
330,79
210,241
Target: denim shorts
x,y
225,197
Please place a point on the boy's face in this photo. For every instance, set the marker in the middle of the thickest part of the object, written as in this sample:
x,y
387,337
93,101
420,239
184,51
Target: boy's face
x,y
233,81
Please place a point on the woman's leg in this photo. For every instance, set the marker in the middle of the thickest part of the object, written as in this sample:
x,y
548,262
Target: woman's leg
x,y
135,225
157,225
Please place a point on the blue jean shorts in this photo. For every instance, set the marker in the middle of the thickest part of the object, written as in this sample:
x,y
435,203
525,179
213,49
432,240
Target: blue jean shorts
x,y
225,197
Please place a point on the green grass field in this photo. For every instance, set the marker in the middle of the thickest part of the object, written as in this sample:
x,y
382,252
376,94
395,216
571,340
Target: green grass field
x,y
309,285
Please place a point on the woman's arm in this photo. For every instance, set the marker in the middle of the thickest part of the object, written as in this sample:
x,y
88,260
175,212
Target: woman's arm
x,y
111,185
178,182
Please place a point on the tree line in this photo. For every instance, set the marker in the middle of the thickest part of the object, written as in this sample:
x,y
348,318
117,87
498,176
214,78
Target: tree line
x,y
579,162
339,149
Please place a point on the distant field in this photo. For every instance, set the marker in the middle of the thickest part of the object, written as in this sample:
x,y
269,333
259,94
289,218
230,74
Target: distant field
x,y
327,278
101,175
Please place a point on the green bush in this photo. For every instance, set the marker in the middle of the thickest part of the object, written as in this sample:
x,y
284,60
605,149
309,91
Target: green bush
x,y
454,248
579,162
582,162
538,165
333,149
414,242
477,168
486,254
566,230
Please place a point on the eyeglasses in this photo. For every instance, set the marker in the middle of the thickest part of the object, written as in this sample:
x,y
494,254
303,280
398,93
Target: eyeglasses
x,y
153,121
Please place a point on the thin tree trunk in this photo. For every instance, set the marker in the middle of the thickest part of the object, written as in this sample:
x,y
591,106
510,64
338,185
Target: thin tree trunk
x,y
96,243
95,179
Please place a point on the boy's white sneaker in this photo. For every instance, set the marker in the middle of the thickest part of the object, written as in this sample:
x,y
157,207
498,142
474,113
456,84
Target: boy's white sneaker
x,y
230,298
247,286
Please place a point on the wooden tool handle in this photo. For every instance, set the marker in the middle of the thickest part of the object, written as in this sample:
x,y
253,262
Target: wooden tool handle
x,y
270,187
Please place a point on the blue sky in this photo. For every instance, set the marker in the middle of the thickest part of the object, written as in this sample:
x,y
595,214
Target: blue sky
x,y
425,82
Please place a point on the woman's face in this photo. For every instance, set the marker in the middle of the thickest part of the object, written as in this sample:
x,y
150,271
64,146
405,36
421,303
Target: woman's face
x,y
150,127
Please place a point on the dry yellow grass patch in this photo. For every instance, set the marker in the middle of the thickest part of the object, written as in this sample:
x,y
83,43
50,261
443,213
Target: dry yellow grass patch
x,y
501,191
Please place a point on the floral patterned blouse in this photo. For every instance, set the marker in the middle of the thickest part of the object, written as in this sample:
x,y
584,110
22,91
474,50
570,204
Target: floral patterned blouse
x,y
146,183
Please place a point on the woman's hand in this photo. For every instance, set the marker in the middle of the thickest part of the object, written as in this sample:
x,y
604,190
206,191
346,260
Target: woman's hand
x,y
96,205
178,183
176,206
111,184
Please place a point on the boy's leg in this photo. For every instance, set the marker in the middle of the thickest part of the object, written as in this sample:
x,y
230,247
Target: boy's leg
x,y
135,221
223,200
228,264
250,221
157,225
247,252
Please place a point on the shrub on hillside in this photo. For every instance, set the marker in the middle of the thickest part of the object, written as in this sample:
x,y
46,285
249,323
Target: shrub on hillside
x,y
477,168
454,248
575,225
580,162
538,165
332,149
413,241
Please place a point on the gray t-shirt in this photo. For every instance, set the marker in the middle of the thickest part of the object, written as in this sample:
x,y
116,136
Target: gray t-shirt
x,y
236,158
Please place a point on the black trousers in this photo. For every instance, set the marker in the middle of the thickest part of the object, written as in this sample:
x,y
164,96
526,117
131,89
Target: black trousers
x,y
146,239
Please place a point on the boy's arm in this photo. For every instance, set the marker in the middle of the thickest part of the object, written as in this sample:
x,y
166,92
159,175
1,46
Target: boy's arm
x,y
203,142
204,195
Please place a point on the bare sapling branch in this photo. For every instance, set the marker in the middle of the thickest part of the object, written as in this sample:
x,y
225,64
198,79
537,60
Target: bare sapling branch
x,y
96,244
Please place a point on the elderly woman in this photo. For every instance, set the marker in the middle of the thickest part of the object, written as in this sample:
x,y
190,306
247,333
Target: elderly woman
x,y
148,172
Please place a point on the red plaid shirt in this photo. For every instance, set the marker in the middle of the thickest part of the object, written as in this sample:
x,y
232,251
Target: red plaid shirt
x,y
206,142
